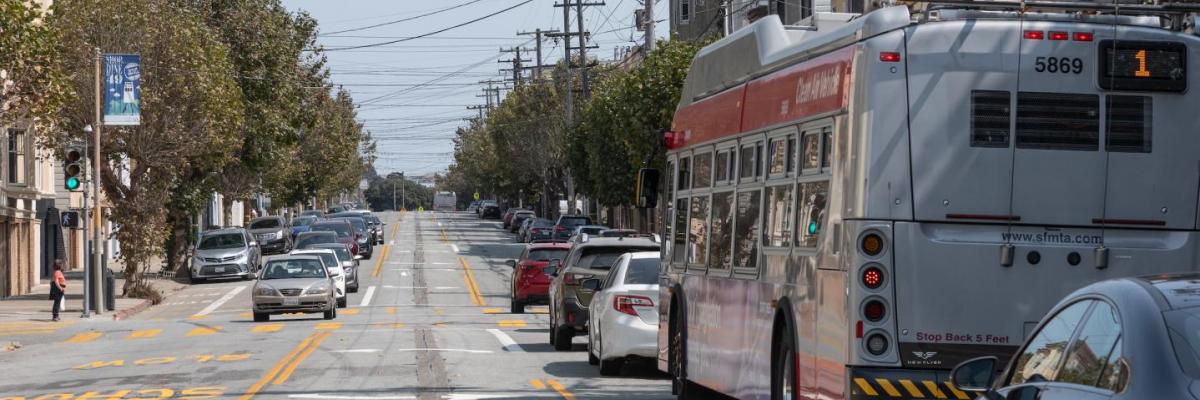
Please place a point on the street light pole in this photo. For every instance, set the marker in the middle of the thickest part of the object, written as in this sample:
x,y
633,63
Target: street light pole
x,y
87,270
97,251
394,197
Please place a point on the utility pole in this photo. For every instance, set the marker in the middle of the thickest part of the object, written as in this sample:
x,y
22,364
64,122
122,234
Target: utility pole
x,y
583,46
97,248
516,62
537,38
648,25
566,35
394,197
480,108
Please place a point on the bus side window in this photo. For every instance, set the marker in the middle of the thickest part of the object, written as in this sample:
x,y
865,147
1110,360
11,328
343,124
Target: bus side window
x,y
811,210
702,175
746,164
722,231
778,231
679,240
745,251
685,178
669,201
697,232
826,146
777,156
810,150
721,173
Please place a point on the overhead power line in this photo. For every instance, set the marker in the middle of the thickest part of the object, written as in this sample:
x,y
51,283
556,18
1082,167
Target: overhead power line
x,y
434,32
403,20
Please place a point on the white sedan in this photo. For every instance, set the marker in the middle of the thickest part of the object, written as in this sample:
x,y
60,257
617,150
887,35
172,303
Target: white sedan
x,y
624,320
336,271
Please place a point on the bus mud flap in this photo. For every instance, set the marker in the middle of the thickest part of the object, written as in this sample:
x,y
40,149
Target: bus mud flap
x,y
902,384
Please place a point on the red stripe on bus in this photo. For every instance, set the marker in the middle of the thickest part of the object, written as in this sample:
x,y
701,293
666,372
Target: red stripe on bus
x,y
813,87
1109,221
708,119
984,217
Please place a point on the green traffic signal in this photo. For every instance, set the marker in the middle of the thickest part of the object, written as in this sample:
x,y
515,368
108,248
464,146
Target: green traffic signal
x,y
72,183
812,228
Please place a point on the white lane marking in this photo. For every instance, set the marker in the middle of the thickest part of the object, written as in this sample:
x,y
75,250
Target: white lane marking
x,y
421,287
454,247
356,351
507,342
367,297
333,397
392,242
451,350
221,301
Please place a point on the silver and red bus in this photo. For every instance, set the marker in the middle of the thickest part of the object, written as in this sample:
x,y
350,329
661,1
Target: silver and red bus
x,y
856,205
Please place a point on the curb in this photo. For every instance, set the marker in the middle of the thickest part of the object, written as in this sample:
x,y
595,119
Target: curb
x,y
131,311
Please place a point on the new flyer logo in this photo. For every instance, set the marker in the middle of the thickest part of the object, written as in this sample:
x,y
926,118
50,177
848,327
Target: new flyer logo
x,y
122,89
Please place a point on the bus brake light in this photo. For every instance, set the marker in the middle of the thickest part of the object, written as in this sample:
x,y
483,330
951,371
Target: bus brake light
x,y
1084,36
1059,36
1035,35
872,278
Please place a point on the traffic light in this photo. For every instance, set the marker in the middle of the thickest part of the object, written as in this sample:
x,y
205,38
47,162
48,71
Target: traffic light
x,y
73,166
70,219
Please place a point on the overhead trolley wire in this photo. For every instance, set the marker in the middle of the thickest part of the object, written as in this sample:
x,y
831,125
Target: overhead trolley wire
x,y
431,33
403,20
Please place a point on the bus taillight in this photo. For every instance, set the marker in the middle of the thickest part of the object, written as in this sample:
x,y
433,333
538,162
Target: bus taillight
x,y
877,344
1059,35
874,311
1035,35
889,56
1084,36
872,244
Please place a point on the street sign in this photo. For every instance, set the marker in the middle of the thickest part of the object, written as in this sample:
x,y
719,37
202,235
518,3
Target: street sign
x,y
70,219
363,184
476,196
122,89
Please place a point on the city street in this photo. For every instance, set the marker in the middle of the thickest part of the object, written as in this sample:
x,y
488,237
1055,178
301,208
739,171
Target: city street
x,y
430,321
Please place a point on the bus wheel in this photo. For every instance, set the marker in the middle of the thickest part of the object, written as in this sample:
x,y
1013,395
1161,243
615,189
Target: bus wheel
x,y
783,367
678,364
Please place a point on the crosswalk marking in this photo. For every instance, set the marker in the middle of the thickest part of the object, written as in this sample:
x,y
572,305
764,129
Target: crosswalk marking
x,y
85,337
267,328
144,334
204,331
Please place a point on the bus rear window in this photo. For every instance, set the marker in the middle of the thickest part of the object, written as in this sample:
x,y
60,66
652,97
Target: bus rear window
x,y
991,113
1129,127
1058,121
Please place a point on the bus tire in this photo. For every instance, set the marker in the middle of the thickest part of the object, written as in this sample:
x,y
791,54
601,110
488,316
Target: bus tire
x,y
783,362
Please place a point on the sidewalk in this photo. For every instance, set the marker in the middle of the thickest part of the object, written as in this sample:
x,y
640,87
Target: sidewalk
x,y
35,307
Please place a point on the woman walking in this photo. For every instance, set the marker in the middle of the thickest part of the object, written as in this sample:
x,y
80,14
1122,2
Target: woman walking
x,y
58,289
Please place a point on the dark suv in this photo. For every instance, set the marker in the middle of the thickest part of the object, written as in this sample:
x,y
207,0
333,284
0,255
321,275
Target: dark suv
x,y
591,258
490,211
273,233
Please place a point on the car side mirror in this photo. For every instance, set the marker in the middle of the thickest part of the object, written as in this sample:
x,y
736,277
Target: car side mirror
x,y
974,375
334,272
511,263
254,243
357,257
591,284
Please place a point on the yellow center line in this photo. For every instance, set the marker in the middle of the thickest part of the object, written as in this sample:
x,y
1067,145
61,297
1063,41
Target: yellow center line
x,y
204,331
562,391
277,367
379,262
537,384
287,373
472,285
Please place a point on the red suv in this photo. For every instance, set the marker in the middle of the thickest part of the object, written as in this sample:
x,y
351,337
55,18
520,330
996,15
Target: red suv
x,y
530,285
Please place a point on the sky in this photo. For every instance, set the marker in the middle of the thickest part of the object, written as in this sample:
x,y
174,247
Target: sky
x,y
414,93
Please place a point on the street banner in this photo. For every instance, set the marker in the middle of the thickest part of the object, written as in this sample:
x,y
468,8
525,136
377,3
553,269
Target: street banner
x,y
122,89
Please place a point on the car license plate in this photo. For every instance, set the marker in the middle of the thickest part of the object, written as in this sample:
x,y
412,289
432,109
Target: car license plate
x,y
219,270
291,302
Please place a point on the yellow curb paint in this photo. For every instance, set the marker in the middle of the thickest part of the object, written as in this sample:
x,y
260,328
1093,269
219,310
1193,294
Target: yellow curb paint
x,y
512,323
204,331
85,337
267,328
349,311
328,326
144,334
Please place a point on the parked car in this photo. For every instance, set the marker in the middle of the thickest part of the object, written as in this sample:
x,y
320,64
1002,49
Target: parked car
x,y
567,223
313,213
336,271
225,253
624,321
1100,339
519,217
300,225
591,258
530,280
363,234
349,263
290,284
346,234
520,237
474,207
272,233
588,230
483,205
490,211
507,216
308,239
537,229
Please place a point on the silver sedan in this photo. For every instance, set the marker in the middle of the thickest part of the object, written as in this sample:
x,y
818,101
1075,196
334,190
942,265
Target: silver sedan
x,y
294,284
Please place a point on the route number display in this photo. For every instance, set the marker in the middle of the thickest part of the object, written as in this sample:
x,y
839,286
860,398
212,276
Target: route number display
x,y
1143,66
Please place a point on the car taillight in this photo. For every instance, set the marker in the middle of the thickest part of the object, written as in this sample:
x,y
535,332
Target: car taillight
x,y
354,248
625,304
559,228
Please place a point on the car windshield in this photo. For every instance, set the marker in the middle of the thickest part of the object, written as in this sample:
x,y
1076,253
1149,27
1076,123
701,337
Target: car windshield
x,y
223,241
546,254
343,254
310,239
572,222
642,271
295,268
303,221
265,223
342,230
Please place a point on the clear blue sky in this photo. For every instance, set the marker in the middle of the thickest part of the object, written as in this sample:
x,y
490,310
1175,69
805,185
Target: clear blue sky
x,y
415,125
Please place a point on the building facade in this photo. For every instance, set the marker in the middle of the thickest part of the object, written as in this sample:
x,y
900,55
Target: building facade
x,y
697,19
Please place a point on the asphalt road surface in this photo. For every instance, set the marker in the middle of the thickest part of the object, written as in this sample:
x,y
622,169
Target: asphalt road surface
x,y
430,322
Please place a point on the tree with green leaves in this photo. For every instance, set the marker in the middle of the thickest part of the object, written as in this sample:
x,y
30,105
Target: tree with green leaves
x,y
33,84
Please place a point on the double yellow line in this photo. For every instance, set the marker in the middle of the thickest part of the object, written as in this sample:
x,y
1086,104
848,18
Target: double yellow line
x,y
472,285
379,263
282,370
